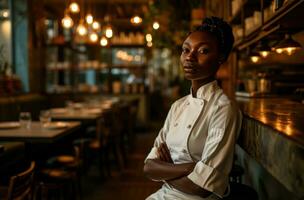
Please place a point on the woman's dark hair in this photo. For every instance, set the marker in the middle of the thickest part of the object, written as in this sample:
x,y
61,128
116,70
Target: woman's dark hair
x,y
221,30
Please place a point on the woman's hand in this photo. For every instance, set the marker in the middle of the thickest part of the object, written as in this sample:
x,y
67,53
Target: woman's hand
x,y
164,153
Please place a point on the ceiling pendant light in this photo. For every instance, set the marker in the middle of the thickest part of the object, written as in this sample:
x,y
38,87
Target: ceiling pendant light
x,y
263,49
74,7
136,19
4,13
255,57
81,29
67,21
155,25
103,41
95,25
89,18
148,37
287,45
109,32
93,37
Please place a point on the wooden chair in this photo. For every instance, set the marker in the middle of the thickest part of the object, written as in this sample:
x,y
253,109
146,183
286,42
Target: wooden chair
x,y
63,174
20,185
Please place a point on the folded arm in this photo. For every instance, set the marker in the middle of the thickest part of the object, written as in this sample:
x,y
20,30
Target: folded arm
x,y
160,170
163,168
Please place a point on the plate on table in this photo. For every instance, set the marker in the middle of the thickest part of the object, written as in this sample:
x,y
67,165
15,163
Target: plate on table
x,y
9,125
55,125
59,110
94,111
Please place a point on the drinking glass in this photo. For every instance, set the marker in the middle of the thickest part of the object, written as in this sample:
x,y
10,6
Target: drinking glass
x,y
25,119
45,116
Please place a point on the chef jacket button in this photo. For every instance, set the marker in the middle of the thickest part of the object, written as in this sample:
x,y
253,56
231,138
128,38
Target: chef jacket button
x,y
202,103
175,124
184,151
189,126
188,103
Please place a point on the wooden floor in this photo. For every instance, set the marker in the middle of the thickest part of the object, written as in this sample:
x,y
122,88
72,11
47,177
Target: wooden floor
x,y
128,184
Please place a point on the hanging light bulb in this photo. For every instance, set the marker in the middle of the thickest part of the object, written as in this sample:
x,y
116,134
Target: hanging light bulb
x,y
93,37
67,21
288,45
155,25
263,49
254,57
103,41
89,18
74,7
264,54
136,19
4,13
109,32
279,51
149,37
96,25
81,29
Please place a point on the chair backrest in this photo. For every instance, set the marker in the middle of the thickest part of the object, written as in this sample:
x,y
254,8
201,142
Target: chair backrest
x,y
20,185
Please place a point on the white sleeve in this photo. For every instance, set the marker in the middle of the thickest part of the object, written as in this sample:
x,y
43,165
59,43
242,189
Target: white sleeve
x,y
212,171
161,136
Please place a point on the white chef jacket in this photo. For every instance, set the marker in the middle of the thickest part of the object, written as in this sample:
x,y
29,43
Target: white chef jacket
x,y
203,130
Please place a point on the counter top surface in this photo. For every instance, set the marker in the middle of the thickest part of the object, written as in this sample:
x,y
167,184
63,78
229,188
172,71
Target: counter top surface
x,y
283,115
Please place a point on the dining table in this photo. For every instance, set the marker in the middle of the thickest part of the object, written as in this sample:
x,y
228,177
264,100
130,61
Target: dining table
x,y
41,139
37,132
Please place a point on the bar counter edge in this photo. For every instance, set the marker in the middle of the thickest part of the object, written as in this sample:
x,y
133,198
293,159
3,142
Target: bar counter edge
x,y
272,134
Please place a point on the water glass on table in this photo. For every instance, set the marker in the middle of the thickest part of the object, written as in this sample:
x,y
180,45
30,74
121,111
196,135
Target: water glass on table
x,y
25,119
45,116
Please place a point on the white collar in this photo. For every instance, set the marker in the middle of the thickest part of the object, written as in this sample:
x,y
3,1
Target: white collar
x,y
206,91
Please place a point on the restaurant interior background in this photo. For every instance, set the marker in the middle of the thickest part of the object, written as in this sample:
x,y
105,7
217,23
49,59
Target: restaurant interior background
x,y
52,52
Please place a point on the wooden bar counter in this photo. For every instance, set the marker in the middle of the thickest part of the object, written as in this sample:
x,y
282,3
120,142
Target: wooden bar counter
x,y
273,135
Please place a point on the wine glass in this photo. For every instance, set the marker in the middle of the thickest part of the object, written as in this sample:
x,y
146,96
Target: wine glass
x,y
25,119
45,116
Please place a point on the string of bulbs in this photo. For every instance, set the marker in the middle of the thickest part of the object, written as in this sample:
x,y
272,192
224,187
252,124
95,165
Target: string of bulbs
x,y
88,27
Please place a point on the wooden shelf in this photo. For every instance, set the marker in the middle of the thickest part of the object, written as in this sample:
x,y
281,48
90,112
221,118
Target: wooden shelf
x,y
288,16
236,18
285,19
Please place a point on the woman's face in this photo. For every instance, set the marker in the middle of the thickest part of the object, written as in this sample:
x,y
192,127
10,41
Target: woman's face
x,y
200,56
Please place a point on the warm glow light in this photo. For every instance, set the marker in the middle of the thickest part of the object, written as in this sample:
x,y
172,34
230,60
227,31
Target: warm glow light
x,y
279,51
149,44
103,41
96,25
81,29
109,32
264,54
89,18
93,37
67,21
5,29
254,59
4,13
74,7
290,50
136,20
149,37
156,25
